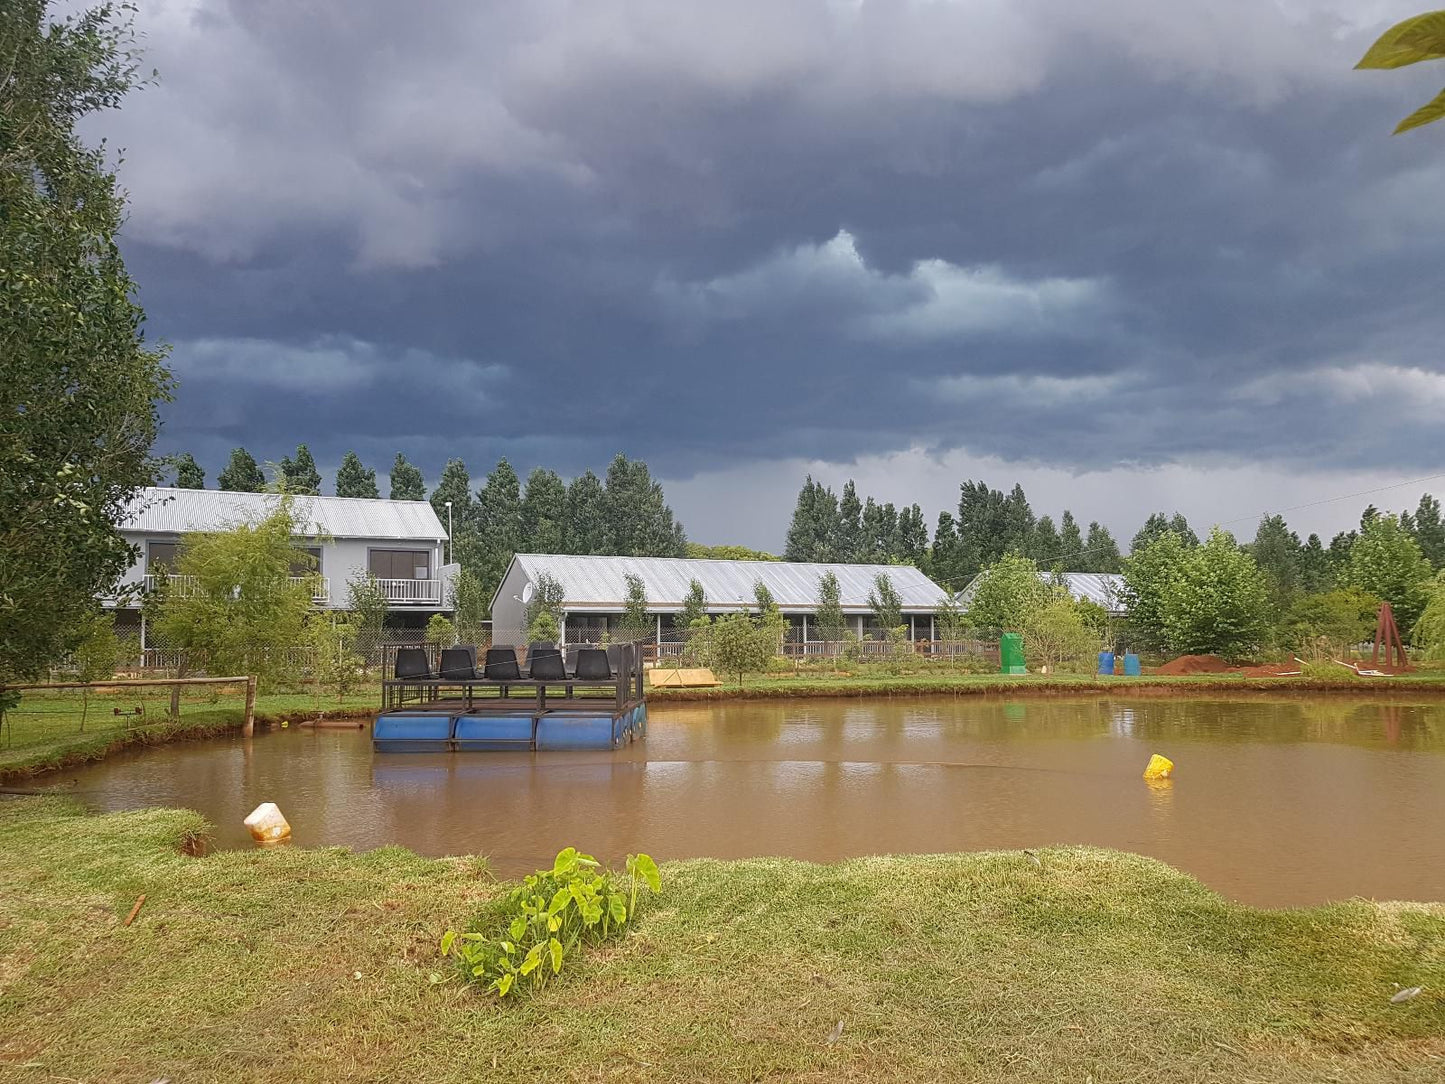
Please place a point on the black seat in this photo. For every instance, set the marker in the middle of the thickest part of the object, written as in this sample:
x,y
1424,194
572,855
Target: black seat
x,y
541,647
458,663
547,666
412,665
502,664
593,665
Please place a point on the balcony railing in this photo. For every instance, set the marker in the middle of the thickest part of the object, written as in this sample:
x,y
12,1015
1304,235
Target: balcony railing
x,y
188,585
412,592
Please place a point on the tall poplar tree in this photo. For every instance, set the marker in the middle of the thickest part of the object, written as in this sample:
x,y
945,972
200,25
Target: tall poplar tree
x,y
585,527
544,513
78,402
300,475
242,474
189,474
407,483
353,479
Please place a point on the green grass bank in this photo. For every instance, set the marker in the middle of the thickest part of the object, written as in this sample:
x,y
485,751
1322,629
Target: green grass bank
x,y
299,966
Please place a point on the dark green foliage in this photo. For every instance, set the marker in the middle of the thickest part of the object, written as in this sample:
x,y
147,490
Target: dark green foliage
x,y
407,483
1046,547
945,558
1278,553
636,623
638,521
991,524
1387,562
242,474
354,480
1101,552
1071,543
548,598
299,475
694,605
1316,573
812,535
1329,621
456,486
527,936
1157,525
1207,599
884,601
79,393
189,474
767,605
912,547
584,529
499,527
848,539
1427,529
544,512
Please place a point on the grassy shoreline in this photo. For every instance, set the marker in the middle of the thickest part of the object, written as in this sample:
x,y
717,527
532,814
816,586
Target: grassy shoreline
x,y
293,965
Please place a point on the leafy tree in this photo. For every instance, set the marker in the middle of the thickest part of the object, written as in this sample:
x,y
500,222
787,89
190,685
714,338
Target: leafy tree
x,y
728,553
1158,525
368,605
1056,632
544,513
96,655
1426,527
1333,619
1151,574
1101,551
991,524
336,663
548,597
694,605
1219,602
240,613
829,615
950,619
499,527
189,474
242,474
848,539
469,605
440,631
78,399
812,535
1338,553
1071,543
1277,551
1387,562
767,605
884,601
739,645
1421,37
1008,591
585,528
1428,635
638,522
354,480
544,628
406,481
636,622
300,475
945,558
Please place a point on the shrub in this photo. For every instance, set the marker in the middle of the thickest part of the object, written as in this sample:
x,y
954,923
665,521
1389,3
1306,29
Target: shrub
x,y
440,631
538,925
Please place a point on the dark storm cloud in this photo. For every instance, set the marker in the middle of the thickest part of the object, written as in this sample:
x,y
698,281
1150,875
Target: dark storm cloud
x,y
1061,234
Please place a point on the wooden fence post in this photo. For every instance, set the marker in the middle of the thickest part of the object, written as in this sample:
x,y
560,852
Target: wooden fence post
x,y
249,726
175,701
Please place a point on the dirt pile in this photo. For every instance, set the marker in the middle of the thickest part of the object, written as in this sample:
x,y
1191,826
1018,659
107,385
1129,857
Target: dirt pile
x,y
1272,669
1194,664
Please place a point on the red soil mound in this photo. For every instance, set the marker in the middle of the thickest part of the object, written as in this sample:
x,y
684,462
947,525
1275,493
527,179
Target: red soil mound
x,y
1194,664
1273,669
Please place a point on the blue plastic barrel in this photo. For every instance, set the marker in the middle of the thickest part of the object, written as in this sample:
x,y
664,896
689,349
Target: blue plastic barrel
x,y
1106,664
1131,664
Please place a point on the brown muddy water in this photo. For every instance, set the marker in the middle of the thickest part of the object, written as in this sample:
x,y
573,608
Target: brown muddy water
x,y
1275,802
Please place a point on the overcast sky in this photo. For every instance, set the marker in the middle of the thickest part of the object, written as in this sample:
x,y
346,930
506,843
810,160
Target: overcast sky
x,y
1134,254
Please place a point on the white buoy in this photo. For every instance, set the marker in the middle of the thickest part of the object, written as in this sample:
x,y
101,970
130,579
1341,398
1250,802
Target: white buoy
x,y
267,825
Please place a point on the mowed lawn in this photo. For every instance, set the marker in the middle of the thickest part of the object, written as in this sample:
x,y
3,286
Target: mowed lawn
x,y
293,965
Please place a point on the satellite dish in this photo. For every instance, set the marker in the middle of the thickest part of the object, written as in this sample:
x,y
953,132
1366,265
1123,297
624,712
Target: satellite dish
x,y
527,592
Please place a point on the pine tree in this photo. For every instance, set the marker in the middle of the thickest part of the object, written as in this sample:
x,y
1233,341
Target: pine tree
x,y
242,475
850,525
873,534
1047,547
499,526
1159,524
544,513
300,475
1315,571
1101,551
811,535
637,520
455,485
1428,530
585,528
189,474
912,536
1071,544
354,480
983,527
406,481
1276,550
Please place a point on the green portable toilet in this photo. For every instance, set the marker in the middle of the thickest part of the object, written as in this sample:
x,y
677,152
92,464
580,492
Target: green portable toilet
x,y
1011,654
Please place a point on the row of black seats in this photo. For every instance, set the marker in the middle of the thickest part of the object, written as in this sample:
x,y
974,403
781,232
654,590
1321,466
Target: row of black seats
x,y
545,663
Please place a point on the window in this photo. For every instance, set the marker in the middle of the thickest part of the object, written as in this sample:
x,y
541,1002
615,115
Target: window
x,y
400,564
307,561
162,557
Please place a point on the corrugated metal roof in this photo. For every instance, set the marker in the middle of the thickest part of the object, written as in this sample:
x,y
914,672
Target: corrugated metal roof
x,y
161,510
1105,589
600,581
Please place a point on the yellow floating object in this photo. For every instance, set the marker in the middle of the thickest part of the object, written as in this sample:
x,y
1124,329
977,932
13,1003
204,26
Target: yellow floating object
x,y
683,679
267,825
1159,768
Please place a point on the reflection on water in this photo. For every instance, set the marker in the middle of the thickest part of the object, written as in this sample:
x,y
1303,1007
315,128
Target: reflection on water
x,y
1274,801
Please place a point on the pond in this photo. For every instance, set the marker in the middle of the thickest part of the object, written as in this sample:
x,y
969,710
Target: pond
x,y
1276,801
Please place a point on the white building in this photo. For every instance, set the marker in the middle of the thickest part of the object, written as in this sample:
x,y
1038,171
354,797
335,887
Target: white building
x,y
595,589
401,543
